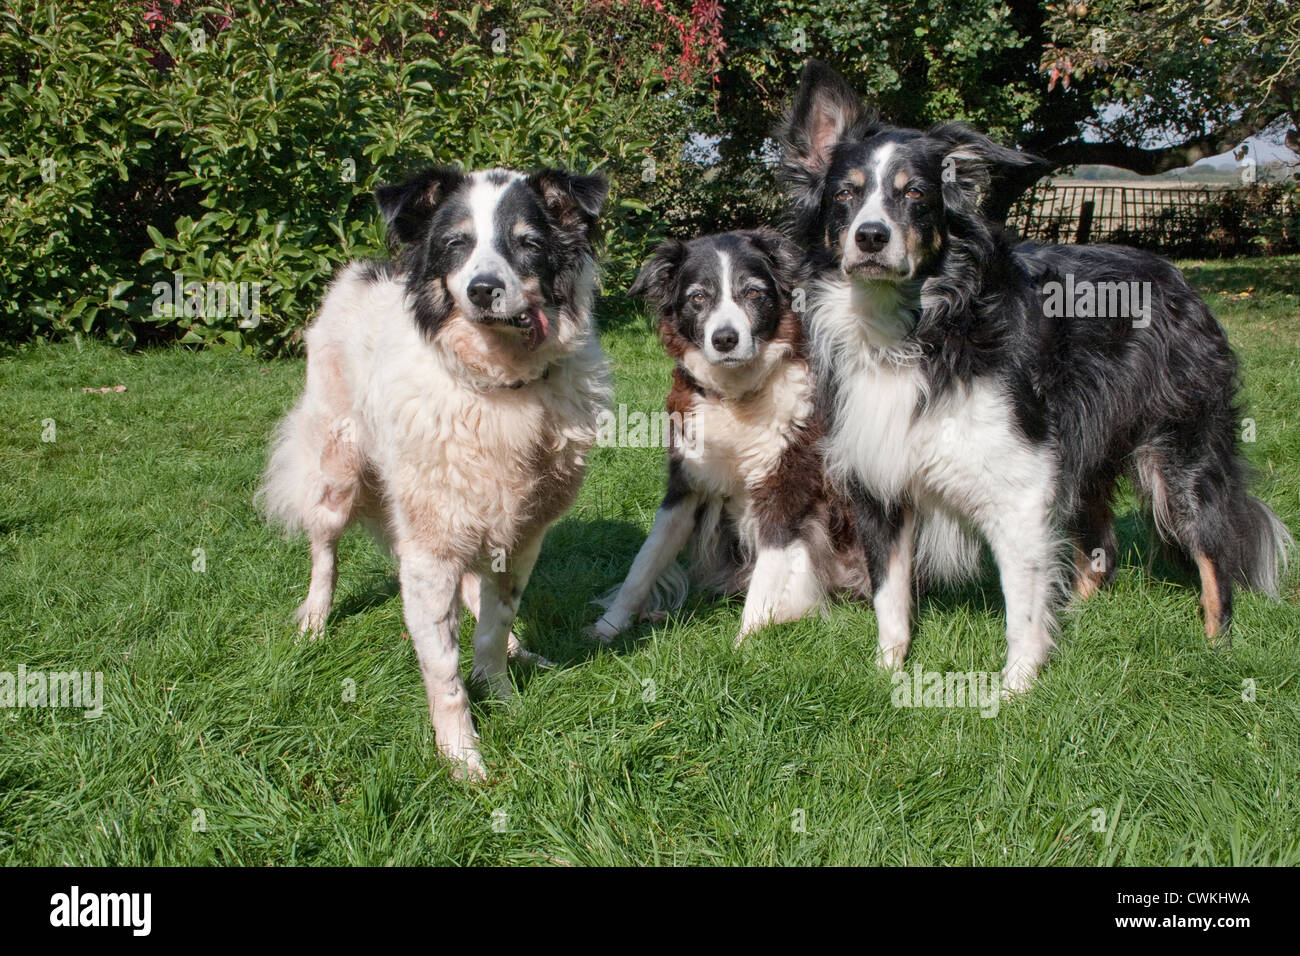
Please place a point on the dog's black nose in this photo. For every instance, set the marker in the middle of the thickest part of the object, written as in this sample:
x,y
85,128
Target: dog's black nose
x,y
872,236
725,339
484,289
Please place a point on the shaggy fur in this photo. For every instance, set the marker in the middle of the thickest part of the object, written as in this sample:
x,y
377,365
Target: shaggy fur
x,y
452,396
745,480
966,399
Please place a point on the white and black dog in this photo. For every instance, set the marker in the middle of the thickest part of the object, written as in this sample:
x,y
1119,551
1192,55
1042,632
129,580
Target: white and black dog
x,y
452,395
966,403
745,479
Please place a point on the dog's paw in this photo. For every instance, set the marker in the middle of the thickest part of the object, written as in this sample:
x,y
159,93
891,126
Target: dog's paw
x,y
526,658
604,630
469,769
494,686
891,658
746,630
1017,678
311,621
466,761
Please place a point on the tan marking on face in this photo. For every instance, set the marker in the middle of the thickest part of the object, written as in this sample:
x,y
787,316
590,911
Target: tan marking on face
x,y
900,180
494,353
915,246
858,178
842,237
1210,596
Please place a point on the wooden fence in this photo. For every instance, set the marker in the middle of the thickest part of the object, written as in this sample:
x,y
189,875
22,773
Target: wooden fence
x,y
1102,213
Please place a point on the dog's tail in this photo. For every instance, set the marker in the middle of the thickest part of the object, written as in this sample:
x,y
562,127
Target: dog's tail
x,y
1266,544
286,483
946,551
312,475
668,593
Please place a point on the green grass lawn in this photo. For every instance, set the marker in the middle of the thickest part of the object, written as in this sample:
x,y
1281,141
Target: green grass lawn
x,y
668,748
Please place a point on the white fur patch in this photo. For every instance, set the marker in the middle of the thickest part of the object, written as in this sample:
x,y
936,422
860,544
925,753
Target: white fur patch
x,y
727,314
873,210
741,441
483,198
960,463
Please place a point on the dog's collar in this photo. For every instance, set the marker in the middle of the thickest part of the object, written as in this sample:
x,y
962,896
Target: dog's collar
x,y
712,394
546,373
695,386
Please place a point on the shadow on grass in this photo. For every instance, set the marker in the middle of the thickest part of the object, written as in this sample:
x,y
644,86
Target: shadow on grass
x,y
1264,276
583,559
580,561
1139,547
383,587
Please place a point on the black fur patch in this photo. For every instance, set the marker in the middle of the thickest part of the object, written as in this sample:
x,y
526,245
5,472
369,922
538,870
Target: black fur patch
x,y
684,281
1103,391
425,214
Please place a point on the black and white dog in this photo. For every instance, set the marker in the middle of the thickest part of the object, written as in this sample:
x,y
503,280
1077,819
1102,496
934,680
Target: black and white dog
x,y
983,390
745,479
451,398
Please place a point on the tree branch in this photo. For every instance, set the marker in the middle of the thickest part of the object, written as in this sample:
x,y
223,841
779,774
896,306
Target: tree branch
x,y
1150,162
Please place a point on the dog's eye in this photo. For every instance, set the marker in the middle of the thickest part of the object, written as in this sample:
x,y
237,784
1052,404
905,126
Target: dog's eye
x,y
454,242
753,293
529,241
697,298
914,192
844,195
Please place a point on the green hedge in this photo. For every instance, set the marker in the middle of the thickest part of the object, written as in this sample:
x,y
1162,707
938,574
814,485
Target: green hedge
x,y
241,144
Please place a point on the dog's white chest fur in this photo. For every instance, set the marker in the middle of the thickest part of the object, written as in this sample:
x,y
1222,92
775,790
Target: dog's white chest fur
x,y
962,453
466,464
948,454
733,444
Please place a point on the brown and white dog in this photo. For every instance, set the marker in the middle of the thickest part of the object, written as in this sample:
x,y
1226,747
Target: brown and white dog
x,y
745,476
452,396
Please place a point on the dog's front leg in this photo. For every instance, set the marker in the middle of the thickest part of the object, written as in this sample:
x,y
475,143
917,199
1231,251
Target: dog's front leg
x,y
431,606
500,592
673,526
783,588
471,596
1024,548
892,575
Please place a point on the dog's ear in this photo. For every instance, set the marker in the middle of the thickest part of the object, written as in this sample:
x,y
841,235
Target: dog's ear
x,y
573,201
786,257
824,109
970,160
659,273
407,207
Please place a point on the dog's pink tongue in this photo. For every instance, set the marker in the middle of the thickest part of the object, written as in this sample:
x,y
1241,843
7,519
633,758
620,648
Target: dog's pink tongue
x,y
539,326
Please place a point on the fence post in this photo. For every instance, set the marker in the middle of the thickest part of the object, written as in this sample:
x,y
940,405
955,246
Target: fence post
x,y
1085,223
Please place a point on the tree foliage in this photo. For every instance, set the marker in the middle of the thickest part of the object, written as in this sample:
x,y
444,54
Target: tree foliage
x,y
242,143
1174,82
